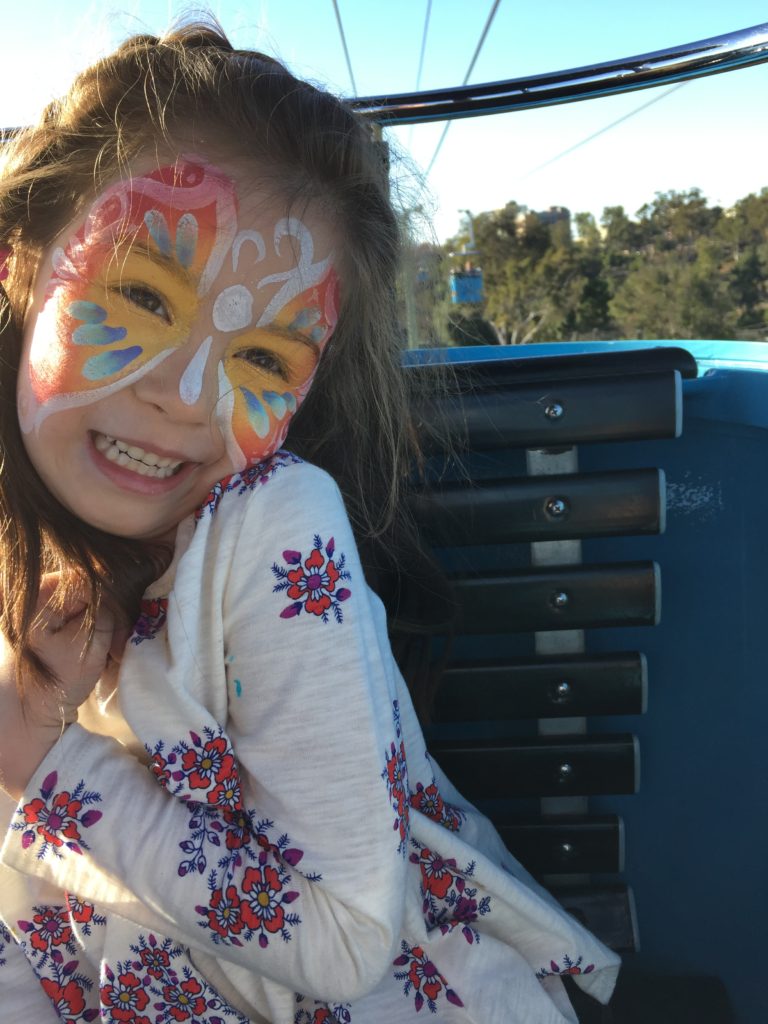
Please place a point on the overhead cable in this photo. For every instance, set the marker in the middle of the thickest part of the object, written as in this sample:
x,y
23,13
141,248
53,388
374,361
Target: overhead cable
x,y
423,44
602,131
344,45
478,48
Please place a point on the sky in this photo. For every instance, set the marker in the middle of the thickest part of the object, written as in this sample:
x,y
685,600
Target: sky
x,y
710,134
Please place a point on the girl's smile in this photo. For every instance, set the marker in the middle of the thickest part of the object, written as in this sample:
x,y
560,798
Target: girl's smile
x,y
172,337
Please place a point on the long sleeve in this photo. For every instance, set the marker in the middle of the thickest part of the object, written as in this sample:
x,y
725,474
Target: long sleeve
x,y
271,841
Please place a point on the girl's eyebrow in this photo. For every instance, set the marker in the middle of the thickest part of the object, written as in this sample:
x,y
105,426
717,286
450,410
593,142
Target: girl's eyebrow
x,y
168,261
289,334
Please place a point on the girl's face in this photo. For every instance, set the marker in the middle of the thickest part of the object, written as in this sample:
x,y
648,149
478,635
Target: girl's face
x,y
174,332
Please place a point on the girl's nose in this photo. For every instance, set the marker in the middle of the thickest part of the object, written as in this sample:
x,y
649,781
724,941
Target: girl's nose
x,y
183,385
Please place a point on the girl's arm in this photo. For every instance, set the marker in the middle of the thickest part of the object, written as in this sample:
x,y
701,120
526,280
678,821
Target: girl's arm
x,y
29,729
288,857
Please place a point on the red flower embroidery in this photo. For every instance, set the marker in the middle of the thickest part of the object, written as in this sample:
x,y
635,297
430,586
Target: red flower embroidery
x,y
50,928
264,911
225,916
185,999
314,583
212,763
312,586
57,822
81,911
159,768
67,999
57,818
424,978
154,959
436,874
569,967
396,776
238,830
124,996
152,618
429,802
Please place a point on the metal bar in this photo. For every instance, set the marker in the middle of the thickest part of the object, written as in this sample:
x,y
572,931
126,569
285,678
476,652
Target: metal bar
x,y
741,48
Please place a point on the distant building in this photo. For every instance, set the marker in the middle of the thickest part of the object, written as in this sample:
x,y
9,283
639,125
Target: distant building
x,y
546,217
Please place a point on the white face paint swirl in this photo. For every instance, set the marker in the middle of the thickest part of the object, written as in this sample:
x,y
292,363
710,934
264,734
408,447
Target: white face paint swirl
x,y
191,381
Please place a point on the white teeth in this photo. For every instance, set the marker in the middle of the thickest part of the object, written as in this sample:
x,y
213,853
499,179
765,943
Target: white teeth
x,y
132,457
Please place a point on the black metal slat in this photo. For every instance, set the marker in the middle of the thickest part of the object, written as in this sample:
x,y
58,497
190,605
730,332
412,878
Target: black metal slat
x,y
541,766
515,369
597,684
561,597
556,507
608,912
565,844
552,415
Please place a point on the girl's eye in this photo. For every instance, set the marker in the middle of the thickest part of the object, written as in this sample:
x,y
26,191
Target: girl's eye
x,y
263,359
146,299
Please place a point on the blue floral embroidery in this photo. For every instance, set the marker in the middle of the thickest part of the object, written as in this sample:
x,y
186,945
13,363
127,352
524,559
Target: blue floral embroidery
x,y
312,585
246,481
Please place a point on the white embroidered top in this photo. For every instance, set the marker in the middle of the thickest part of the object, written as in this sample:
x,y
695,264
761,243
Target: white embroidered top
x,y
249,828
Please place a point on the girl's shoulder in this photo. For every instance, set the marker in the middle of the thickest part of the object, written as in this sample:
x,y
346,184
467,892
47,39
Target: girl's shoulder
x,y
282,472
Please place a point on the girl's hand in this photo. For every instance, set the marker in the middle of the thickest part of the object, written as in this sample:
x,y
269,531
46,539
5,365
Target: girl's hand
x,y
30,728
60,639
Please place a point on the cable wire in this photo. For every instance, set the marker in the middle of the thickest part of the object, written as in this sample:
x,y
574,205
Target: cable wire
x,y
344,44
602,131
423,44
472,63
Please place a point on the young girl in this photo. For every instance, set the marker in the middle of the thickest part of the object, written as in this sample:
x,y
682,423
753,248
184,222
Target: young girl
x,y
210,816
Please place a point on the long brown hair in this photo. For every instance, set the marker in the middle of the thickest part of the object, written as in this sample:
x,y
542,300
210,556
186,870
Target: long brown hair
x,y
192,86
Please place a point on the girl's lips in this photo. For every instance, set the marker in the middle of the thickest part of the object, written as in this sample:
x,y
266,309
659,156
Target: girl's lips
x,y
129,480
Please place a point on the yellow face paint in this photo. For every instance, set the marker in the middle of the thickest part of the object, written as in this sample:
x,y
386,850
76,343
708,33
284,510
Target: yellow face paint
x,y
161,264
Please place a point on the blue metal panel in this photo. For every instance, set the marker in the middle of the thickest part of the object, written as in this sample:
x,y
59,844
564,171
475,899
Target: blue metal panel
x,y
697,831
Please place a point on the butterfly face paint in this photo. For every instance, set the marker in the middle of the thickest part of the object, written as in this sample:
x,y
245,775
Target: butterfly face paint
x,y
161,267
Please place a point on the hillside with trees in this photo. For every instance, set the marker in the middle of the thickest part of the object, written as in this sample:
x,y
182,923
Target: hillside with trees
x,y
679,269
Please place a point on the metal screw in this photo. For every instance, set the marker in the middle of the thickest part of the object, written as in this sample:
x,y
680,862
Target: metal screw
x,y
554,411
556,507
565,771
559,599
561,692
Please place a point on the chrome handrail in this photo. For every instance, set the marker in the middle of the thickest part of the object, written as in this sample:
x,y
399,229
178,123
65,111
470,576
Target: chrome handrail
x,y
741,48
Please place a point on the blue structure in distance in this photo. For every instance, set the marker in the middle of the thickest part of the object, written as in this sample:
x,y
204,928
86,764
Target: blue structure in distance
x,y
467,287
